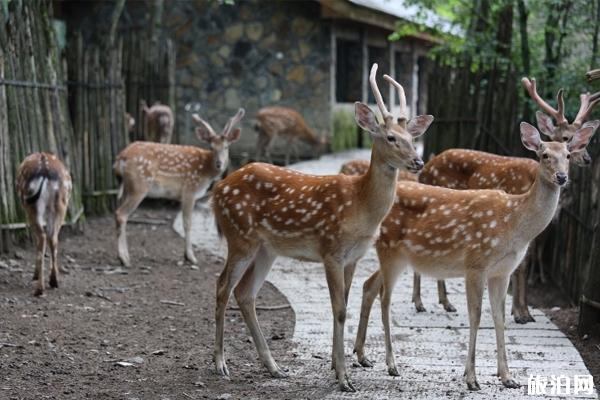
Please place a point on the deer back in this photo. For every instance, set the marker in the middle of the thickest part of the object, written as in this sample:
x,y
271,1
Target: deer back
x,y
286,122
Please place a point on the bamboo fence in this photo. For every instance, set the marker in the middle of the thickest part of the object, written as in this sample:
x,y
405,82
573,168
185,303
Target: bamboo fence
x,y
74,106
34,113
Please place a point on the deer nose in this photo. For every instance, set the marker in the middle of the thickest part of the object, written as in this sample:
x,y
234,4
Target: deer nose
x,y
418,164
561,178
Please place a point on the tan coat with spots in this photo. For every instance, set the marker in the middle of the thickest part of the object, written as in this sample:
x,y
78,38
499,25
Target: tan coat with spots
x,y
266,211
481,235
360,167
168,171
44,188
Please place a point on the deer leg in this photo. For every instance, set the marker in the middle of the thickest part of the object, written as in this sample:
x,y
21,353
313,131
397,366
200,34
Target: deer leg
x,y
38,274
390,276
245,294
348,275
371,289
497,287
474,285
130,202
522,293
187,210
334,272
416,296
443,296
539,252
54,257
288,150
238,260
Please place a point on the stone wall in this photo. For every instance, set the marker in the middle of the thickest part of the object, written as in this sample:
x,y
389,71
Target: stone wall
x,y
251,55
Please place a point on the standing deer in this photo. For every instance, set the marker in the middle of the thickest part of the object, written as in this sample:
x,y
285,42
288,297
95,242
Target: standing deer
x,y
159,122
169,171
481,235
266,211
44,188
467,169
286,123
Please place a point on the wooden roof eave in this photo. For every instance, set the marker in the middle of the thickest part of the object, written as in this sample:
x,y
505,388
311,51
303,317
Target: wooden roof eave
x,y
341,9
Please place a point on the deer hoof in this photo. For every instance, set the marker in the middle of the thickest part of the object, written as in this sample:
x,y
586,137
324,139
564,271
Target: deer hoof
x,y
347,386
279,373
53,282
473,386
393,371
420,308
38,292
191,257
365,362
510,383
449,307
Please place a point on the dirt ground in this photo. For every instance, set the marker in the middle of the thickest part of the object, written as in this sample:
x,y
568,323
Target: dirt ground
x,y
158,318
66,345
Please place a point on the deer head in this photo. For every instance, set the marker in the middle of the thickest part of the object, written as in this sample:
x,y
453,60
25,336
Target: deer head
x,y
219,144
563,131
554,156
395,138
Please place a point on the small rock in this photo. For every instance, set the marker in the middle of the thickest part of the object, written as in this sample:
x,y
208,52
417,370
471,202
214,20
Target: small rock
x,y
199,384
554,309
278,336
179,263
159,352
135,360
194,267
124,364
224,396
585,337
3,265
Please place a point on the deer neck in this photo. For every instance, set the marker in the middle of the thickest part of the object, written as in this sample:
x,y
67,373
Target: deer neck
x,y
378,185
538,209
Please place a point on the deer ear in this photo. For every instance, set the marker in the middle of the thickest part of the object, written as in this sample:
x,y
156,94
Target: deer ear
x,y
544,122
530,136
365,118
203,130
582,137
234,135
418,125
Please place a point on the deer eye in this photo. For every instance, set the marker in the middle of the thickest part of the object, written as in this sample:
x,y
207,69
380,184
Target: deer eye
x,y
391,138
545,156
565,138
568,156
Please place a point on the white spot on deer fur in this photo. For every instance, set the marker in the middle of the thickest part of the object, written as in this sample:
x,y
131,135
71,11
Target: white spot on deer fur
x,y
478,234
493,224
490,213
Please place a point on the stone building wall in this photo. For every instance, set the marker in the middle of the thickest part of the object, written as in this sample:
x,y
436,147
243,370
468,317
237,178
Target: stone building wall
x,y
251,55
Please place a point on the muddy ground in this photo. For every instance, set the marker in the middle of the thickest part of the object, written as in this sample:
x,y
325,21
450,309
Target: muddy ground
x,y
158,318
67,344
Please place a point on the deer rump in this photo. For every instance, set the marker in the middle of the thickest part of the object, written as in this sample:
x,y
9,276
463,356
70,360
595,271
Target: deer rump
x,y
42,191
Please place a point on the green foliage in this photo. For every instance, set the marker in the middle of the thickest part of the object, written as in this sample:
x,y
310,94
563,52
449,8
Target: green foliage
x,y
345,135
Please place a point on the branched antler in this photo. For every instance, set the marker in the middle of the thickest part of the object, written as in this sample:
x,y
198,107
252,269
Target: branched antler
x,y
387,116
558,115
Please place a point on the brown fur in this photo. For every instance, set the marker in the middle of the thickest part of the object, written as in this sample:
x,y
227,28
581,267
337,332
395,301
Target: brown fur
x,y
44,188
288,124
360,167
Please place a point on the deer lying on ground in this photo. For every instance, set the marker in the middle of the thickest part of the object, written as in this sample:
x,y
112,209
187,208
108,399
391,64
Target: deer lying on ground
x,y
44,188
169,171
266,211
468,169
159,122
288,124
481,235
360,167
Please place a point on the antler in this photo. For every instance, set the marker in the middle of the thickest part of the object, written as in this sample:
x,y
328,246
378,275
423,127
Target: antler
x,y
233,121
387,116
585,109
558,115
401,97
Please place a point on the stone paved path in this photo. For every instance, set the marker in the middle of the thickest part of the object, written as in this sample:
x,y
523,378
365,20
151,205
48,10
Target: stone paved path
x,y
430,347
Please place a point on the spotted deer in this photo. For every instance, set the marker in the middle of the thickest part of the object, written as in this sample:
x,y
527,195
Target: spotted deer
x,y
168,171
44,189
360,167
468,169
158,121
480,235
288,124
264,211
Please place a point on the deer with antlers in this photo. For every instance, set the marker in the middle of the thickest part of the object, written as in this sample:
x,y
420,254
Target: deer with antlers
x,y
469,169
158,121
288,124
265,211
44,188
480,235
168,171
